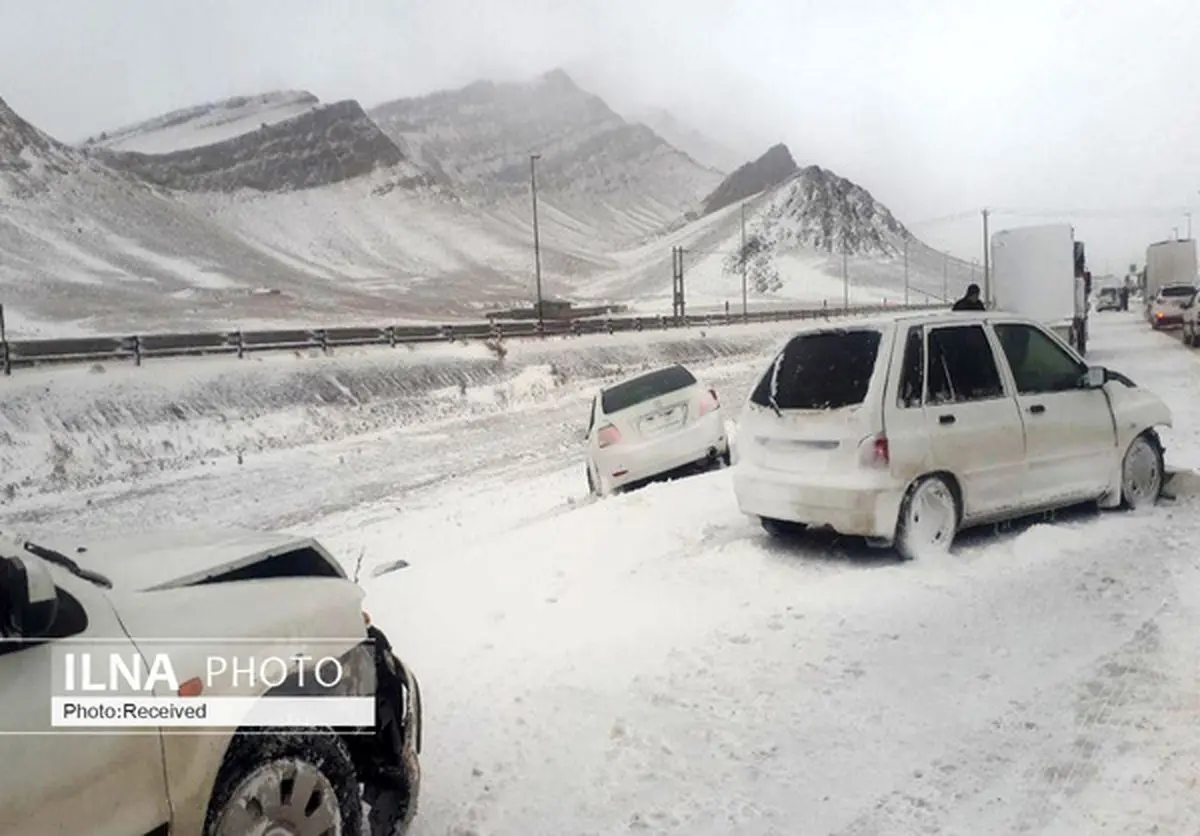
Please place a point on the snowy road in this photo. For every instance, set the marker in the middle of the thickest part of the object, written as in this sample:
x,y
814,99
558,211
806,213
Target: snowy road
x,y
651,663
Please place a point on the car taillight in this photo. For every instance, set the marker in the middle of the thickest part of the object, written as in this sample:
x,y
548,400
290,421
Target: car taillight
x,y
875,452
608,436
709,402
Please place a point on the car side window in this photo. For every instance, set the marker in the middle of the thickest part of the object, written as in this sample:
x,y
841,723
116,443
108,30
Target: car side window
x,y
1039,364
912,369
961,367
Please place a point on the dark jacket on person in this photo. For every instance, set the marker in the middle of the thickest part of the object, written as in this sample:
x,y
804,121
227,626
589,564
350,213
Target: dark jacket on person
x,y
968,304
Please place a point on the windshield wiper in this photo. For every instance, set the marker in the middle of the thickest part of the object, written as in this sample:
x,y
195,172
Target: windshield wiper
x,y
60,559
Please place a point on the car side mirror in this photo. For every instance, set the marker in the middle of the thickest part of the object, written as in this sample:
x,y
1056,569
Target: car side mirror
x,y
28,598
1095,378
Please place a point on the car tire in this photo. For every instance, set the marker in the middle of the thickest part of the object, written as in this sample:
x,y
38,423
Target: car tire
x,y
782,529
929,517
1142,472
266,768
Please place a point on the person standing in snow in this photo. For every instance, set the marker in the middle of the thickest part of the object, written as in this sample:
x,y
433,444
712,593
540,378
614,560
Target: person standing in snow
x,y
970,300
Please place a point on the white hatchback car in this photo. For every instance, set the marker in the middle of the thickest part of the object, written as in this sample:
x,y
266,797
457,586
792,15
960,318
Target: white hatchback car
x,y
653,424
906,429
1167,308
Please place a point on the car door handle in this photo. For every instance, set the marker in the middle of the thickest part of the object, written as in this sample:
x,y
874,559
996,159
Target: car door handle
x,y
1037,409
946,419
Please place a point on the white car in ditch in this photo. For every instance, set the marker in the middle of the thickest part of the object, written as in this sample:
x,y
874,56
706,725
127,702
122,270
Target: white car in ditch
x,y
179,598
906,429
650,425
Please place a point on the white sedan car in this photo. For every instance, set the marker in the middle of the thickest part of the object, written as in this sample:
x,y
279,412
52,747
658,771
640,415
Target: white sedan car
x,y
650,425
906,429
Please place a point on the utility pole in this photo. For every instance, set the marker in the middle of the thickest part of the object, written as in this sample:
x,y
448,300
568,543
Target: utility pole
x,y
537,246
987,263
945,277
906,271
1174,233
1188,215
845,275
745,293
678,304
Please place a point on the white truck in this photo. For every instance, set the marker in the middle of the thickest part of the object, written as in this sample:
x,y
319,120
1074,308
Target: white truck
x,y
1038,272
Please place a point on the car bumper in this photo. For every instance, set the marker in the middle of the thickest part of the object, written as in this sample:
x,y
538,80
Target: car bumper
x,y
863,504
626,463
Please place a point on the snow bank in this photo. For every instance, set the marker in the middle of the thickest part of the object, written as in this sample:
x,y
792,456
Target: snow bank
x,y
71,428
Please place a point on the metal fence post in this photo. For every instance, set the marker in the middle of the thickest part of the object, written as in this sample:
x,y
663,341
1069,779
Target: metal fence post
x,y
7,358
391,336
137,350
241,344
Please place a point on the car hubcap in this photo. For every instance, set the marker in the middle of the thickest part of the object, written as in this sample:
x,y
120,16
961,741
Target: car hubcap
x,y
283,798
931,515
1142,473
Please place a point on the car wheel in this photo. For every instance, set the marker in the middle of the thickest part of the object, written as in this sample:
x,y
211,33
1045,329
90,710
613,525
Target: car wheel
x,y
928,519
782,529
1142,474
292,782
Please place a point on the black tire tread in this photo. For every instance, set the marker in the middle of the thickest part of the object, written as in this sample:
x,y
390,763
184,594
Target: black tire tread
x,y
324,750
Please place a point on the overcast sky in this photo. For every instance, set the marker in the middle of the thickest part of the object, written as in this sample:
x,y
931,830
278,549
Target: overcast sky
x,y
936,106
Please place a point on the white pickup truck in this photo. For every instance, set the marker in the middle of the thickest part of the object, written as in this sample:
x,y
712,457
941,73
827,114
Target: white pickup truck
x,y
148,592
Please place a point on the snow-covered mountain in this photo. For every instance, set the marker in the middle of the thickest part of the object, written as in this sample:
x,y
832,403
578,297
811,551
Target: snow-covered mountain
x,y
688,139
206,124
771,169
278,208
616,181
86,246
801,228
325,144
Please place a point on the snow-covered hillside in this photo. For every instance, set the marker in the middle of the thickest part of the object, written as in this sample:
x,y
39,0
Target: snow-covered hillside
x,y
798,224
326,144
616,180
85,247
206,124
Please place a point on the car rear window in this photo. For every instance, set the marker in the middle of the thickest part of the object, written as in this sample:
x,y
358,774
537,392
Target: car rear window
x,y
1177,290
826,370
644,388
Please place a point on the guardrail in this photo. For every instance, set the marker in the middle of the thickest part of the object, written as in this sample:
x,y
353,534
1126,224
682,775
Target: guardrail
x,y
16,354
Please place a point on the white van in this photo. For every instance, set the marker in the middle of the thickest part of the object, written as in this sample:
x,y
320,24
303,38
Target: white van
x,y
906,429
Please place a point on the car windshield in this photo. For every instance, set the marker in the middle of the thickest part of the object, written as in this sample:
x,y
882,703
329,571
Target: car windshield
x,y
644,388
825,370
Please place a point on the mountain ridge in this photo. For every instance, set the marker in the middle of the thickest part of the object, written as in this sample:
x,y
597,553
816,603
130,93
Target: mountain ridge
x,y
325,145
